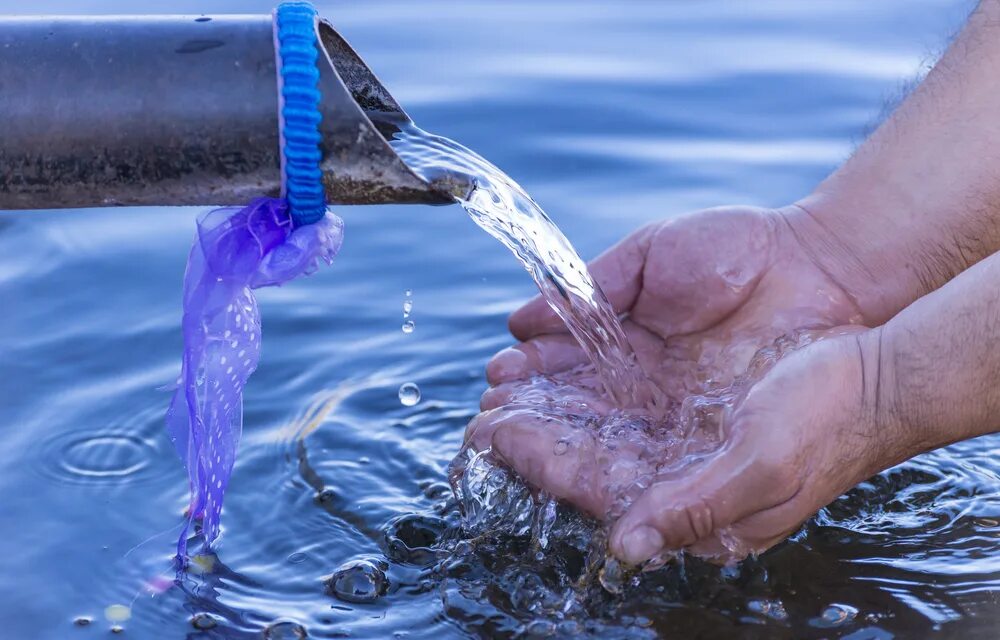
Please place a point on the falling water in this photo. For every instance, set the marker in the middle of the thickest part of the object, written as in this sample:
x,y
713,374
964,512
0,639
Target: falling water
x,y
660,435
501,207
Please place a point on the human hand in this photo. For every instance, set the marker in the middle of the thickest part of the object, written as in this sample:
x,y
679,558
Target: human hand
x,y
799,437
701,294
820,420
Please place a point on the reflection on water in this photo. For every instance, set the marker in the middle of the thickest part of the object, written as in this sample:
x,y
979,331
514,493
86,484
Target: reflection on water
x,y
335,469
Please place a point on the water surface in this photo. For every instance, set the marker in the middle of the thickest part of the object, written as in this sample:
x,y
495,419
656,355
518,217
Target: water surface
x,y
610,115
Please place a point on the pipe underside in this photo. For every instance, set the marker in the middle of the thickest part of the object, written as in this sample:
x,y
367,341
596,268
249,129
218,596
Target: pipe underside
x,y
102,111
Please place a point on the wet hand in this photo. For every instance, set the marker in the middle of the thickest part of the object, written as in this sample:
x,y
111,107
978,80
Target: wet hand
x,y
802,435
700,294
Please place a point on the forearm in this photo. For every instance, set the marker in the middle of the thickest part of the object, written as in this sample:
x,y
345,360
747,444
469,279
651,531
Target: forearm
x,y
919,201
933,372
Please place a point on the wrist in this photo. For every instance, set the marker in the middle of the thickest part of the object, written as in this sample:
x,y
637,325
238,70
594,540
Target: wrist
x,y
856,255
903,421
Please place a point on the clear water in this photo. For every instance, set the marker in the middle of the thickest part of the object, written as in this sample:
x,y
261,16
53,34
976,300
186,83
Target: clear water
x,y
611,118
504,210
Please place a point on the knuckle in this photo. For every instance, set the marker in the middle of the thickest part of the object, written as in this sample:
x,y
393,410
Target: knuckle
x,y
700,519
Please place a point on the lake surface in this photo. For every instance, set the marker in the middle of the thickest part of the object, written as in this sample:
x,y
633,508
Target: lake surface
x,y
611,115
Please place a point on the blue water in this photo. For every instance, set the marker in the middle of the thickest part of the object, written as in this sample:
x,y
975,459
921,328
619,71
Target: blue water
x,y
611,114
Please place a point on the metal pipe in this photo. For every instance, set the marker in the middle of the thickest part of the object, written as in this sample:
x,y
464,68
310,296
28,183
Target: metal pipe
x,y
174,110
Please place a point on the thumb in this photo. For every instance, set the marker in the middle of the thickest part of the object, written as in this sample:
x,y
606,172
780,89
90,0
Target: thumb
x,y
677,513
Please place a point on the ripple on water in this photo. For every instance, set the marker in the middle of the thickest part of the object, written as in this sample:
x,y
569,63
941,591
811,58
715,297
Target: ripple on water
x,y
101,457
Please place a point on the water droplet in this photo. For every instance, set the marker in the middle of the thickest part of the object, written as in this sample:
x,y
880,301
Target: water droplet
x,y
359,581
408,293
409,394
561,447
408,326
407,307
117,629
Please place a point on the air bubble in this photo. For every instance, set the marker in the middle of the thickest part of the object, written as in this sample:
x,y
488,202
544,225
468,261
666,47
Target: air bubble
x,y
358,581
204,621
409,394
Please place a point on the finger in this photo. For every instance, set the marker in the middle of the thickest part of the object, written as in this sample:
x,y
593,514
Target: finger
x,y
543,355
618,273
553,457
678,513
479,431
496,396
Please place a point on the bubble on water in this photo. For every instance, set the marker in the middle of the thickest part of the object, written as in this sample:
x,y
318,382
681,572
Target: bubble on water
x,y
285,630
835,615
358,581
204,621
774,609
409,394
408,326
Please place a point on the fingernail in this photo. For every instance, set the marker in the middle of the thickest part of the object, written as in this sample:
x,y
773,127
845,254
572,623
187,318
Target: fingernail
x,y
639,544
509,364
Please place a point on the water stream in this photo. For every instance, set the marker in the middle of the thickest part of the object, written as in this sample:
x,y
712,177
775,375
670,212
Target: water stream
x,y
504,210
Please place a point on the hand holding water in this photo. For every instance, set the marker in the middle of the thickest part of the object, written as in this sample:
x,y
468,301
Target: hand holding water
x,y
696,312
891,240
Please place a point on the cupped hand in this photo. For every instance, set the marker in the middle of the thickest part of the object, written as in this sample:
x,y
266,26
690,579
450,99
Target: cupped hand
x,y
700,295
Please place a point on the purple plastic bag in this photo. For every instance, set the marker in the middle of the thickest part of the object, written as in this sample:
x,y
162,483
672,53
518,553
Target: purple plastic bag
x,y
236,250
